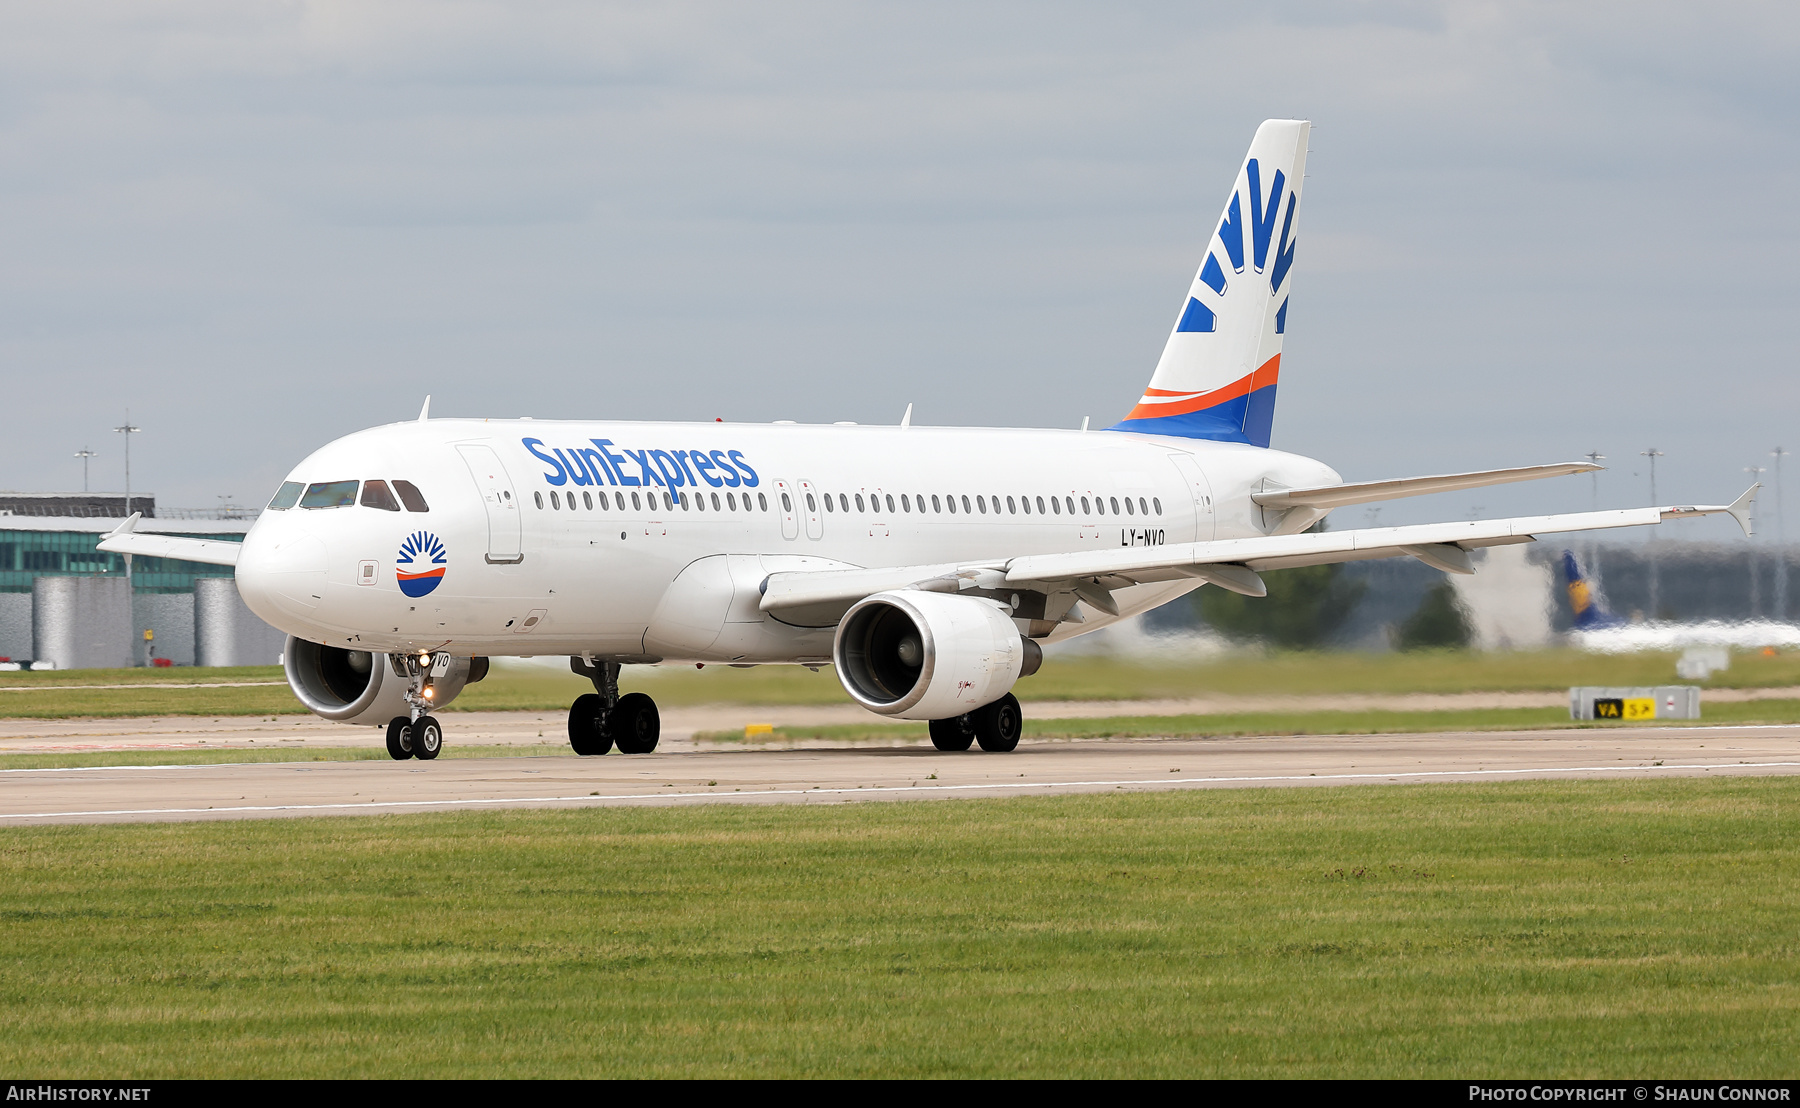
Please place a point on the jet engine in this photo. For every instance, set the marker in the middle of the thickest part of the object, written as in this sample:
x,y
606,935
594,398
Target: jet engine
x,y
928,655
361,686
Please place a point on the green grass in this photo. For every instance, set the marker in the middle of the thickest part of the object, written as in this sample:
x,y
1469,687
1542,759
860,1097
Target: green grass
x,y
230,755
1280,723
173,675
1110,678
1078,678
1426,671
1579,929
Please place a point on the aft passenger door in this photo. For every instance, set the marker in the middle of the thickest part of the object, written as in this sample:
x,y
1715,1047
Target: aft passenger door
x,y
503,545
1200,489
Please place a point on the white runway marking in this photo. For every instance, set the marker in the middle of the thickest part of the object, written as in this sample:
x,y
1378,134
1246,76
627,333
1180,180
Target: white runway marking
x,y
1159,782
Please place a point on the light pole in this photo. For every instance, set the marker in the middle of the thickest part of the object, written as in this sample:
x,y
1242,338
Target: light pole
x,y
127,430
1595,457
1593,543
1780,542
84,454
1655,570
1755,473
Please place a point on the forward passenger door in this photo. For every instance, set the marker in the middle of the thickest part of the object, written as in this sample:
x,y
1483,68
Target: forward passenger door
x,y
491,480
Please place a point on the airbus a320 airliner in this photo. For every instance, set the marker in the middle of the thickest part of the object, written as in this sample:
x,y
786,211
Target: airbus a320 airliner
x,y
928,565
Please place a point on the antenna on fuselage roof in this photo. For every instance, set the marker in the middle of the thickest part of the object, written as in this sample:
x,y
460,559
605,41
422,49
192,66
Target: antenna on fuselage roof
x,y
425,412
906,420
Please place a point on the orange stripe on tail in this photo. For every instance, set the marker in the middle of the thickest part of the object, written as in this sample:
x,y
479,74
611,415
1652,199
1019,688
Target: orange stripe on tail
x,y
1263,376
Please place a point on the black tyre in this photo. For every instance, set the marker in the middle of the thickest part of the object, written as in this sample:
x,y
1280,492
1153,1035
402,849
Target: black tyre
x,y
997,726
427,738
588,733
399,738
635,724
955,733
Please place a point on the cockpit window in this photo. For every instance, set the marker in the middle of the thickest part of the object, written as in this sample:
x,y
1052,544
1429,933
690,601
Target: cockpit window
x,y
411,497
286,496
376,495
329,494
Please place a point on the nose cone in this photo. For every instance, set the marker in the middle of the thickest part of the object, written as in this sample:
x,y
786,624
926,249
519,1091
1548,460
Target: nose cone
x,y
281,575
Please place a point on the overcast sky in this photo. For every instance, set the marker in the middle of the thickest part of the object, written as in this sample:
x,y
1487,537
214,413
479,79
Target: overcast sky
x,y
1530,230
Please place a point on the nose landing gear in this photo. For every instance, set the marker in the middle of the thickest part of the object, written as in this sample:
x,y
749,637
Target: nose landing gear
x,y
601,719
419,734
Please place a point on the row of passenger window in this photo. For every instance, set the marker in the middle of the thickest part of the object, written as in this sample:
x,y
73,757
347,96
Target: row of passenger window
x,y
648,501
980,504
342,494
836,502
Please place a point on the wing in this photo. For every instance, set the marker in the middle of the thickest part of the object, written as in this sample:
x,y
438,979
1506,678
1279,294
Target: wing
x,y
811,598
125,539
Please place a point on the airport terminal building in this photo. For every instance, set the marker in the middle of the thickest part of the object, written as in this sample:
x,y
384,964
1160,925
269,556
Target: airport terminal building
x,y
66,603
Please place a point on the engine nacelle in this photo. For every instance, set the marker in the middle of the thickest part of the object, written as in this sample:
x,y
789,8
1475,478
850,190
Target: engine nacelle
x,y
361,686
928,655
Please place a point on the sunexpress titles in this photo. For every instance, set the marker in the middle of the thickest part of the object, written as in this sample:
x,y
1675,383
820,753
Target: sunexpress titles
x,y
600,464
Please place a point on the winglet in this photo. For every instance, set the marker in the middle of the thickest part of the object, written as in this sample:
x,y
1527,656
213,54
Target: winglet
x,y
1740,509
425,412
906,420
125,528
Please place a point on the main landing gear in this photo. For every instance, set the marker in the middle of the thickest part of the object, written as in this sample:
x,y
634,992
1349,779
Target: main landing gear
x,y
602,719
995,726
418,734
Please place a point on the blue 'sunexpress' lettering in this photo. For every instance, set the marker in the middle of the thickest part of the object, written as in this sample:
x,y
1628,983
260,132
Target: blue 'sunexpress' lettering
x,y
672,469
561,476
743,467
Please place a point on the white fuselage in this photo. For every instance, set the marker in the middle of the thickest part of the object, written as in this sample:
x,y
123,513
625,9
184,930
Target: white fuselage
x,y
529,562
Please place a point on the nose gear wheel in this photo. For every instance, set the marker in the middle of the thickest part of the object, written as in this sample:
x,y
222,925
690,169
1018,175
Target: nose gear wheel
x,y
399,738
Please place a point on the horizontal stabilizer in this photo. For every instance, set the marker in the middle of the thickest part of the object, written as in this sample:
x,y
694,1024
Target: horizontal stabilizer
x,y
125,539
1367,492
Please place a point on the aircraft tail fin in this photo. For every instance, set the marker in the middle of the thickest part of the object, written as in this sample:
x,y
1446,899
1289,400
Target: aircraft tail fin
x,y
1217,375
1584,597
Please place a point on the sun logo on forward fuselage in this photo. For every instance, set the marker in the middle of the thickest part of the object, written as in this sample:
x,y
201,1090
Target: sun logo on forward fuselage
x,y
421,563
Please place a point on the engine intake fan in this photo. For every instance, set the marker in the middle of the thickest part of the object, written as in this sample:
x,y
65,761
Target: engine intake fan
x,y
925,655
361,686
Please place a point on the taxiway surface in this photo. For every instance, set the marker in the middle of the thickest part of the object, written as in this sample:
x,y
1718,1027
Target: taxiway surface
x,y
684,774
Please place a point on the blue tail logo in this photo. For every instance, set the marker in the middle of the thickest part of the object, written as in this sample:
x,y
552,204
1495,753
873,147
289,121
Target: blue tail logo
x,y
1220,368
1584,598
